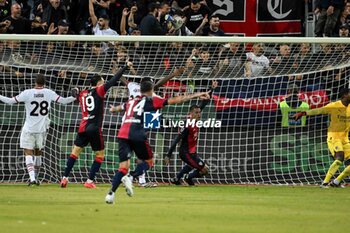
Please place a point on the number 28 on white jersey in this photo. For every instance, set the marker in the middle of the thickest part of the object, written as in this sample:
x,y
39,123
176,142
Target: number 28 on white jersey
x,y
37,104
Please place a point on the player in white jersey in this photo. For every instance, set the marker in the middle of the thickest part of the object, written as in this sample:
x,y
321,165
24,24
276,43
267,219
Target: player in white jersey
x,y
33,135
134,91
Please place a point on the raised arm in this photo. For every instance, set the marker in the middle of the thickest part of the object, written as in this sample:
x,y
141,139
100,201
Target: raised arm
x,y
185,98
117,76
123,21
199,30
103,4
131,19
176,72
210,92
92,13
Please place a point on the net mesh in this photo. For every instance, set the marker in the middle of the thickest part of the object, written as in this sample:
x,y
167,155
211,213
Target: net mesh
x,y
250,147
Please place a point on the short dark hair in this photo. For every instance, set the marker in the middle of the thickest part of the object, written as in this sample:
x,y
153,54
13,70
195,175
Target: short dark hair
x,y
63,23
95,79
344,25
152,6
193,107
343,92
144,79
213,16
40,80
146,85
195,1
104,16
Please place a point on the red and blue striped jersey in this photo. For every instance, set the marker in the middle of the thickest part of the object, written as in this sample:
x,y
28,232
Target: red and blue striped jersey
x,y
133,120
92,107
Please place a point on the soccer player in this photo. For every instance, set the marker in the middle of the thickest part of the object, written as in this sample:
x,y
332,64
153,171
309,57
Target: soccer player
x,y
132,136
188,151
337,136
33,135
90,129
134,91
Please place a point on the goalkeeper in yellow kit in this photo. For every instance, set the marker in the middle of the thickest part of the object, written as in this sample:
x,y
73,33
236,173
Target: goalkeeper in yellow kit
x,y
337,137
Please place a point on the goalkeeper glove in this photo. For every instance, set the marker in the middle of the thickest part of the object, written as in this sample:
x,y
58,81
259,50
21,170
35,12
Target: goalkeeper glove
x,y
298,115
75,92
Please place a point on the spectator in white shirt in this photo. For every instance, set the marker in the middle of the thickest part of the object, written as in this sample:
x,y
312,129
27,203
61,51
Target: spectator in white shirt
x,y
256,63
100,25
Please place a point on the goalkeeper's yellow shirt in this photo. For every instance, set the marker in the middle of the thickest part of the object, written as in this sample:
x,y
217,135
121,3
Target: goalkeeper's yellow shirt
x,y
339,125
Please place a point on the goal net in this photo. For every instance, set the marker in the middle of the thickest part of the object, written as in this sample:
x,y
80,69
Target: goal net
x,y
258,77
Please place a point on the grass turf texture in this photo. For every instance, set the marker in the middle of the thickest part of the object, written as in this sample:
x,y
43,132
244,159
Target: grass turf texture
x,y
49,208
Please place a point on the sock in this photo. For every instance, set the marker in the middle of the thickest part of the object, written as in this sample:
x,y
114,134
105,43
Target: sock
x,y
30,167
193,174
142,178
140,169
37,165
186,169
95,167
70,163
117,179
332,170
343,175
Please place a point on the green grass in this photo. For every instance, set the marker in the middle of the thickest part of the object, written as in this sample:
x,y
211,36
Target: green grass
x,y
49,208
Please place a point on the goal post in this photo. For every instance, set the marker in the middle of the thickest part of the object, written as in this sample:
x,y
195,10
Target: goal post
x,y
255,142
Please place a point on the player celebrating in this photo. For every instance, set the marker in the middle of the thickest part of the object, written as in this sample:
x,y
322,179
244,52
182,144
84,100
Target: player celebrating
x,y
90,132
188,152
337,136
132,135
134,91
33,135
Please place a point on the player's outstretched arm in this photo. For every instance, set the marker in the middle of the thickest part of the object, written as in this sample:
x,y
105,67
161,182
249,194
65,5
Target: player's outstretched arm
x,y
314,112
185,98
7,100
68,100
74,96
176,72
117,76
206,101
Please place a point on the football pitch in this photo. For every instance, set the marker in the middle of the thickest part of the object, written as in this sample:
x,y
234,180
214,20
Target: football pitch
x,y
49,208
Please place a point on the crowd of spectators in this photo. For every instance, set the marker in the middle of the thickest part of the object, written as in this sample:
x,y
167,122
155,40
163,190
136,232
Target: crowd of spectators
x,y
147,17
109,17
332,18
143,17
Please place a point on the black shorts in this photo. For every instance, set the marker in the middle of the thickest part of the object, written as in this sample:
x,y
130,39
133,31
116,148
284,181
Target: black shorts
x,y
142,149
192,160
92,135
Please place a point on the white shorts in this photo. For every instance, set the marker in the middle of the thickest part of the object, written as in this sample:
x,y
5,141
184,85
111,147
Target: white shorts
x,y
32,141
